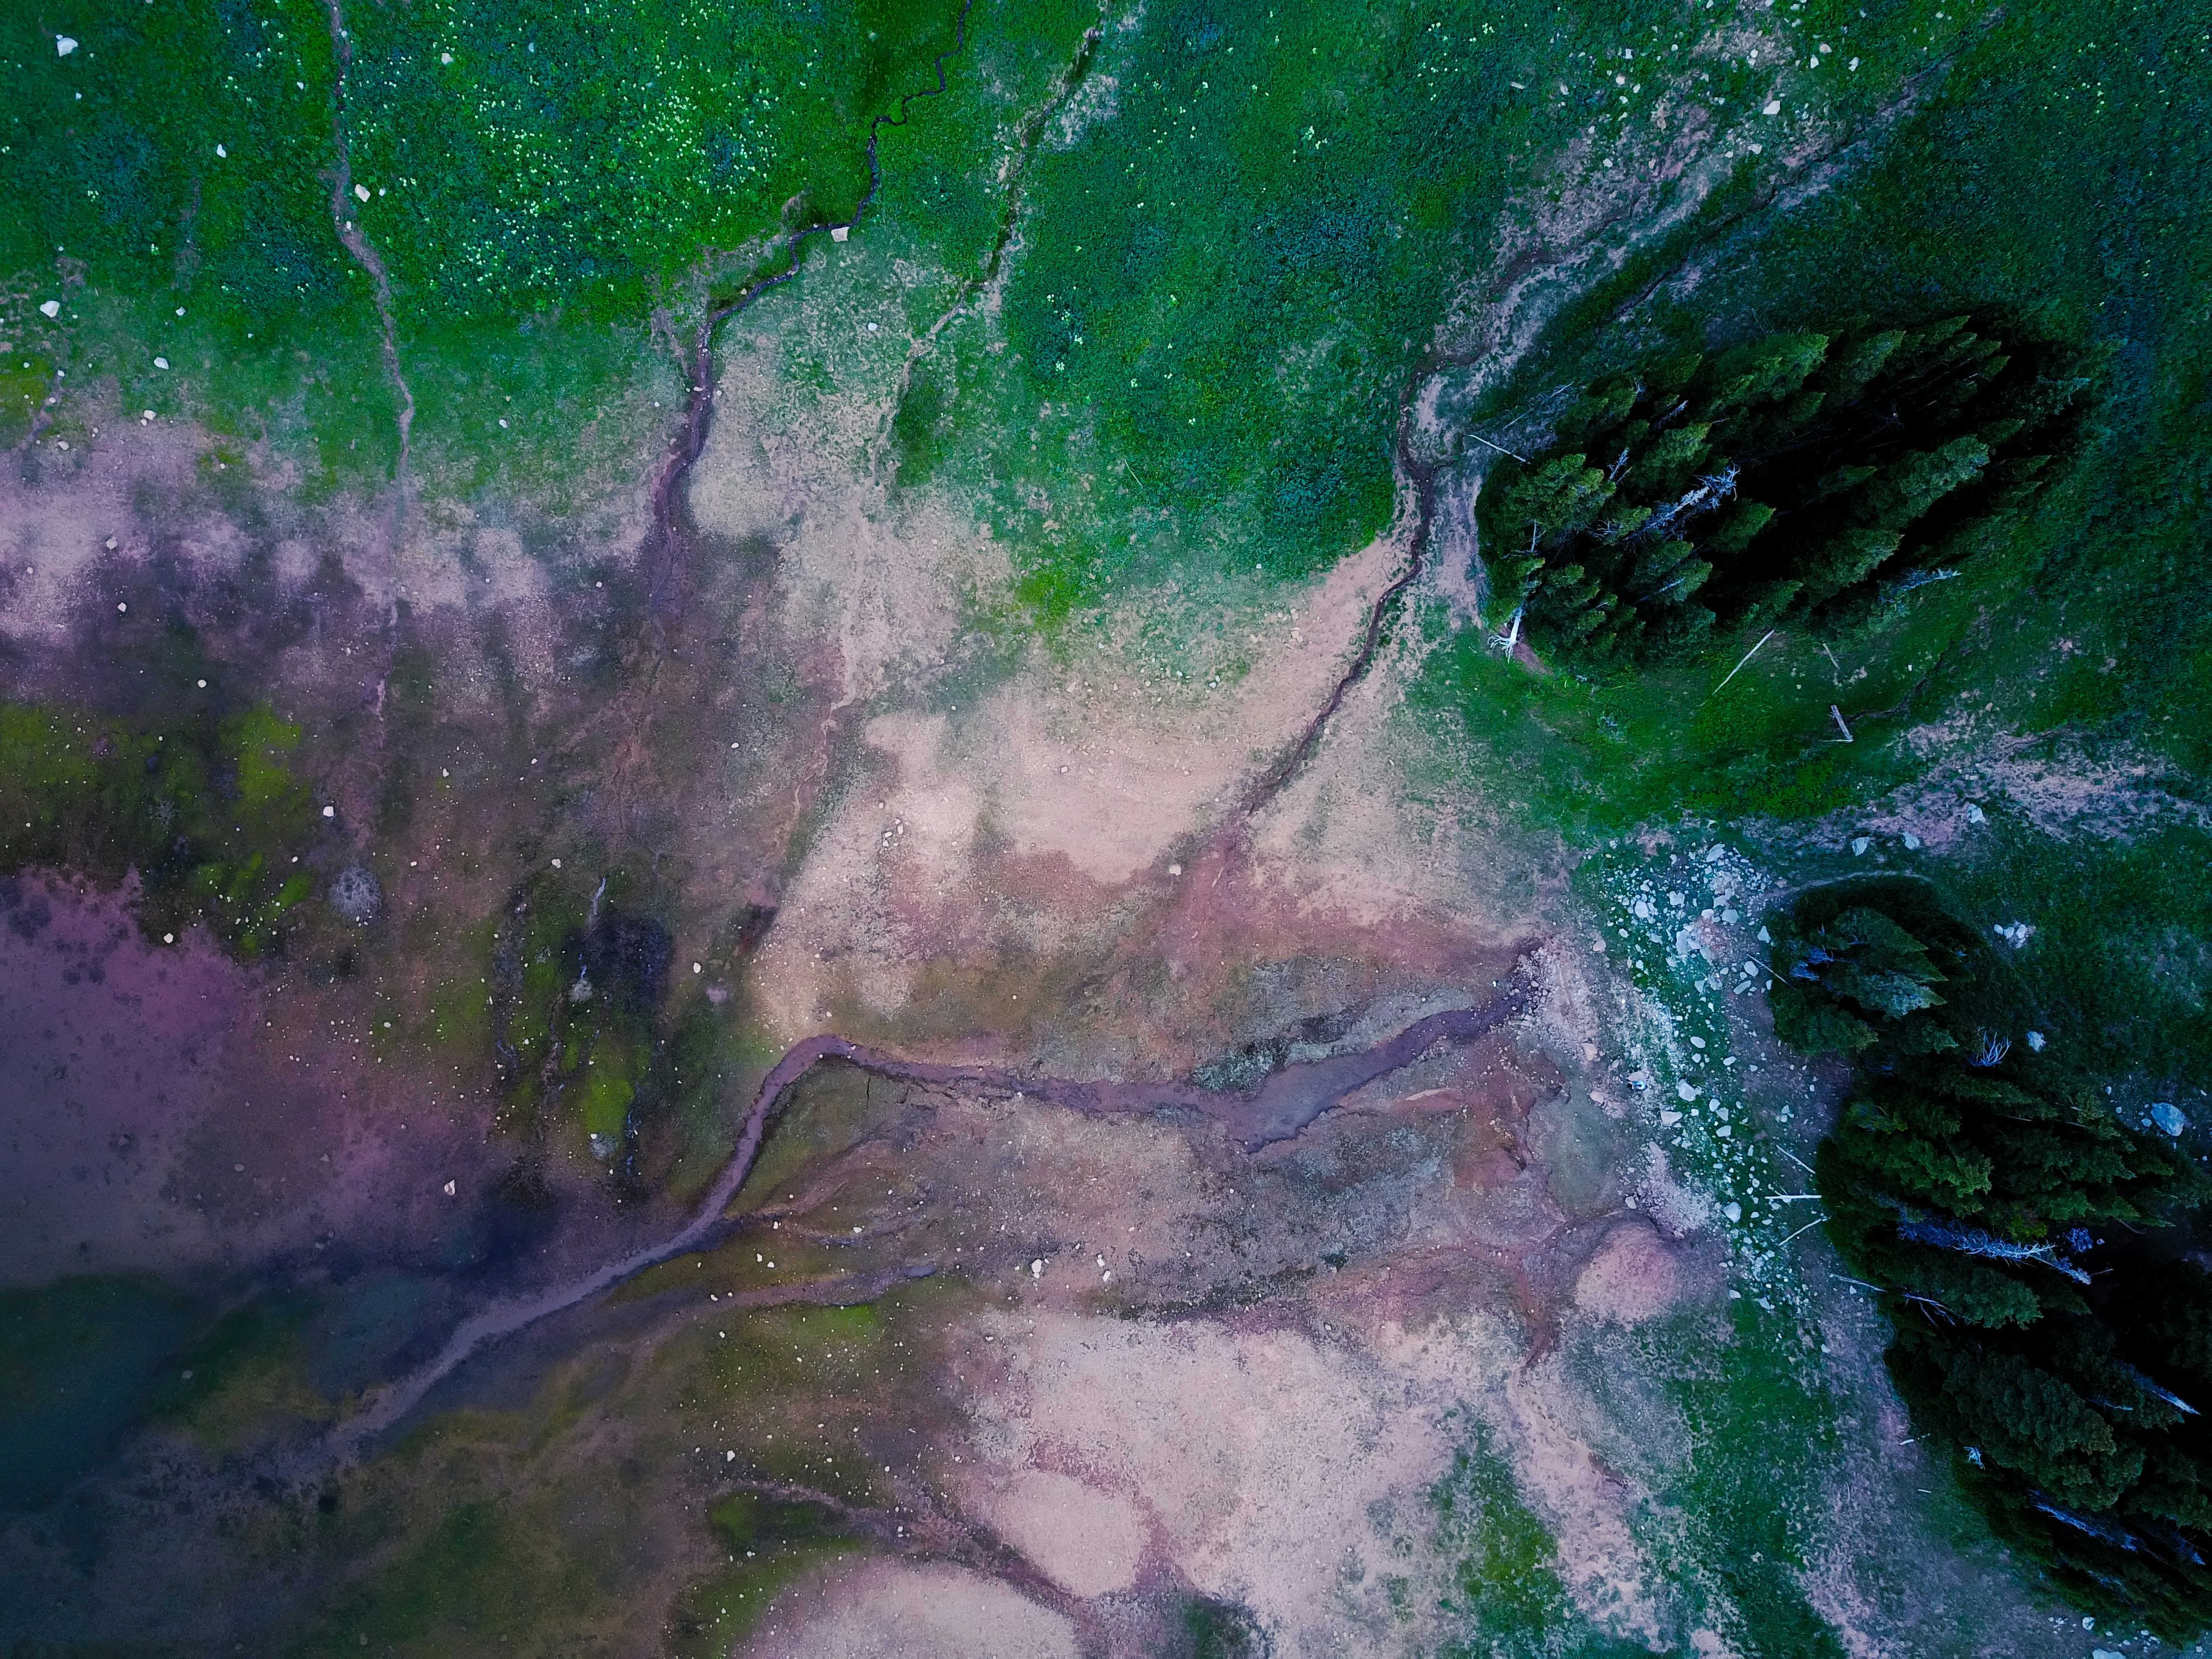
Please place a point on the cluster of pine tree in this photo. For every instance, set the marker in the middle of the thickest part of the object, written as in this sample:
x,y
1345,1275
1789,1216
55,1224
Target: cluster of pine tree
x,y
2048,1328
1796,477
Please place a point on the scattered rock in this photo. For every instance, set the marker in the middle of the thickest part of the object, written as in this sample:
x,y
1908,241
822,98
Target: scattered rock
x,y
2168,1117
356,894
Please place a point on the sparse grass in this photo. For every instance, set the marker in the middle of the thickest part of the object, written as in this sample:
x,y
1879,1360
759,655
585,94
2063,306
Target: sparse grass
x,y
206,808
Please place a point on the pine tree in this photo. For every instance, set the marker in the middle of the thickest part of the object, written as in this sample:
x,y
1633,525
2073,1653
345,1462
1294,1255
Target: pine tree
x,y
1801,472
1976,1186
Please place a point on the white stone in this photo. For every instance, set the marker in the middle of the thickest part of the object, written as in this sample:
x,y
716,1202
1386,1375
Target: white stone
x,y
63,46
50,309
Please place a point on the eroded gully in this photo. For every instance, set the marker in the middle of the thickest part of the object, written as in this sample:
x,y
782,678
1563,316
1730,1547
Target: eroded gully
x,y
1290,1099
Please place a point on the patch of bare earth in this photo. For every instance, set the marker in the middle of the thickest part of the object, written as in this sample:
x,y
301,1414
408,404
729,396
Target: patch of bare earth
x,y
880,1609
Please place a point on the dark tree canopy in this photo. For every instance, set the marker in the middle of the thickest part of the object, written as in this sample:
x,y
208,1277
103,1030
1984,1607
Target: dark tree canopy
x,y
2023,1233
1798,477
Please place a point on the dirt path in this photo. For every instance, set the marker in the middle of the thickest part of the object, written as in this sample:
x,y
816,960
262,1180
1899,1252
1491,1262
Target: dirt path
x,y
344,199
1287,1103
668,541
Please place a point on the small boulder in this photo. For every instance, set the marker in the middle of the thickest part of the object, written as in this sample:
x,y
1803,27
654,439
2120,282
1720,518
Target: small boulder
x,y
356,894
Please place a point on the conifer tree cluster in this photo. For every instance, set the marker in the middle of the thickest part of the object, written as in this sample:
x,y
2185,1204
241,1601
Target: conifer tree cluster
x,y
2028,1236
1798,477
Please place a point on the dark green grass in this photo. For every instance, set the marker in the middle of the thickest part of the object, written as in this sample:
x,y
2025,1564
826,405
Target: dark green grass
x,y
535,200
1504,1597
1228,277
205,807
2094,117
1763,1435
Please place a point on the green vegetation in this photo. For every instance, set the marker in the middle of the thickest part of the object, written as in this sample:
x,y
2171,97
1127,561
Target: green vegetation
x,y
1991,197
1751,1517
538,180
2010,1213
480,1574
205,807
1504,1597
577,990
1213,1629
1798,479
1226,282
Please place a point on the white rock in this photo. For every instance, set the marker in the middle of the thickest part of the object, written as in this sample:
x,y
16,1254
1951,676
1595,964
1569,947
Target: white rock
x,y
63,46
1766,937
50,309
1733,1210
1668,1119
2168,1117
361,190
2036,1040
449,1188
1688,1092
1975,815
1912,842
1037,1268
839,232
1773,106
160,362
1859,844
